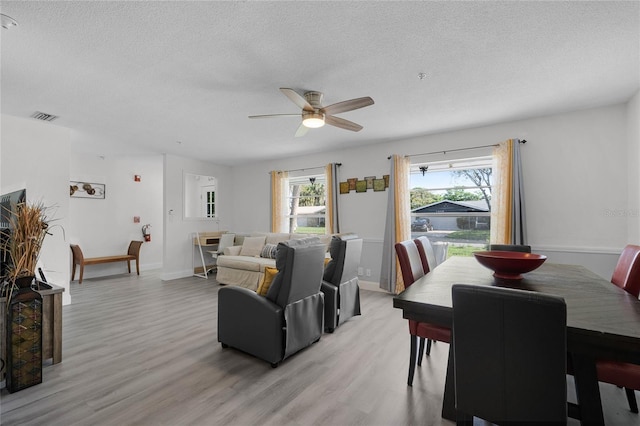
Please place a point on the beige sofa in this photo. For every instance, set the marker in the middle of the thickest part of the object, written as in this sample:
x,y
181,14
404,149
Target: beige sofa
x,y
244,263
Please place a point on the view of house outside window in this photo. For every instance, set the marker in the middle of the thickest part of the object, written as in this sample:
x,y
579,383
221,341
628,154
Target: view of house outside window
x,y
307,204
451,205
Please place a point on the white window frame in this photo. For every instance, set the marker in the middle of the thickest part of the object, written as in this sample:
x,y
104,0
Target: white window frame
x,y
208,205
320,179
452,165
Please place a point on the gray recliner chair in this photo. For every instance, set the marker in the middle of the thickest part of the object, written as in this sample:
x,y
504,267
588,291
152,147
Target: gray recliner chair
x,y
289,318
340,281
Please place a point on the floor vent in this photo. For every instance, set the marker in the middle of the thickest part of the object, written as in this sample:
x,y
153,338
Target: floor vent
x,y
43,116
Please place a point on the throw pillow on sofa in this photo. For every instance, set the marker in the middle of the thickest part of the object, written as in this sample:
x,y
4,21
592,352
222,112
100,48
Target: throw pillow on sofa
x,y
269,251
267,279
252,246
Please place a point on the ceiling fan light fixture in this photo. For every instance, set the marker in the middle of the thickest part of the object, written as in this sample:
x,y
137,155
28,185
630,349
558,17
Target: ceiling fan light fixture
x,y
7,21
313,120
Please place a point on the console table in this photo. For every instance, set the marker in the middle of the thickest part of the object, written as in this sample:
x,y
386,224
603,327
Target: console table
x,y
208,240
51,323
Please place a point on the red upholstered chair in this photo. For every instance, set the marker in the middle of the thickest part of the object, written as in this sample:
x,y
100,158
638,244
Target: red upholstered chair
x,y
427,256
410,262
623,375
626,275
428,259
411,267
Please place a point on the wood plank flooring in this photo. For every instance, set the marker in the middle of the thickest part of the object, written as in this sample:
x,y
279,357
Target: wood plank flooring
x,y
141,351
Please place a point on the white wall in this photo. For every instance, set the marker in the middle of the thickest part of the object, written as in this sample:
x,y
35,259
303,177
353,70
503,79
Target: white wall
x,y
104,227
35,156
581,171
633,164
178,247
575,171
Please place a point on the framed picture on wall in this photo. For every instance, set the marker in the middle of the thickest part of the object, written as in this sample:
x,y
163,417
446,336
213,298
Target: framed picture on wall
x,y
369,180
86,190
361,186
378,185
352,183
344,187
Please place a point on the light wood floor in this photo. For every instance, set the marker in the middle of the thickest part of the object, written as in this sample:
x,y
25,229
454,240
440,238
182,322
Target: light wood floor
x,y
140,351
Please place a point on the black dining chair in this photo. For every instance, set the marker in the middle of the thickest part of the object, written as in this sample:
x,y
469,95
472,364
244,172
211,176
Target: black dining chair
x,y
510,354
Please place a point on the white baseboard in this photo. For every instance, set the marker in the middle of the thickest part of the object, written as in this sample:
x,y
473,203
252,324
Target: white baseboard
x,y
176,275
150,266
578,250
371,285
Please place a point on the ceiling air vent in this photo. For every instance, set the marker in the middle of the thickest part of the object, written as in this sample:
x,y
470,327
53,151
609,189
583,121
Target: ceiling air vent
x,y
43,116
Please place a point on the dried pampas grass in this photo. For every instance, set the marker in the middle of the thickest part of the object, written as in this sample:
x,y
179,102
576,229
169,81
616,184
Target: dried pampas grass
x,y
28,226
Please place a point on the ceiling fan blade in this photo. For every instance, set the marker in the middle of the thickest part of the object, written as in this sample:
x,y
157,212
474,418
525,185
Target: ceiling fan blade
x,y
274,115
296,98
302,130
349,105
342,123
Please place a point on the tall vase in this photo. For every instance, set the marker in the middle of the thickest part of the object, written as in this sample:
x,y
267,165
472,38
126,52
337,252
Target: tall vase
x,y
24,337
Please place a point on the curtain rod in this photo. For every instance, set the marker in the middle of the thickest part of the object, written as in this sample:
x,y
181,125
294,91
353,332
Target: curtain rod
x,y
455,150
307,168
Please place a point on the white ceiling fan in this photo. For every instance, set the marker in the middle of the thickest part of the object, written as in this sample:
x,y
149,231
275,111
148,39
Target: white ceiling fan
x,y
315,115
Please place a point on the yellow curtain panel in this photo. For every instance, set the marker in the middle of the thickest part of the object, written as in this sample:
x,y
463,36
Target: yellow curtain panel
x,y
502,193
278,200
402,203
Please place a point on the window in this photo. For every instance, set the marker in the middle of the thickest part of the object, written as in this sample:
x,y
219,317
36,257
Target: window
x,y
209,197
451,204
307,204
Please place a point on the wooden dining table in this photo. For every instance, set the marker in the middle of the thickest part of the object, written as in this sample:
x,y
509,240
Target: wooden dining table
x,y
603,321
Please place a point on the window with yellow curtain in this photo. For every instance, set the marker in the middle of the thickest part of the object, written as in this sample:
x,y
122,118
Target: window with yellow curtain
x,y
305,200
508,224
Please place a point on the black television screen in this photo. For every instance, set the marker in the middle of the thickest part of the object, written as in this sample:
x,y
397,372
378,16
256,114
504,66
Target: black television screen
x,y
7,203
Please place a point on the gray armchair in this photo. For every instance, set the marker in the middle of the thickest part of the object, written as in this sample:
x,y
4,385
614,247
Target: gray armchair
x,y
289,318
340,281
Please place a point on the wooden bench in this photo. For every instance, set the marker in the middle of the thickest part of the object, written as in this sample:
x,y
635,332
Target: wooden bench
x,y
133,253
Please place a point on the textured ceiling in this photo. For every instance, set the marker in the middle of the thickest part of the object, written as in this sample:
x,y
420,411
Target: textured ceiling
x,y
140,76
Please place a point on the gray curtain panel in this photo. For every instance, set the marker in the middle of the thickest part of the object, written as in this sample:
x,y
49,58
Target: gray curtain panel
x,y
388,269
518,221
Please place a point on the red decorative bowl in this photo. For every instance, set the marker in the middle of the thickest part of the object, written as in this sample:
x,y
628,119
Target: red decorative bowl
x,y
509,265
